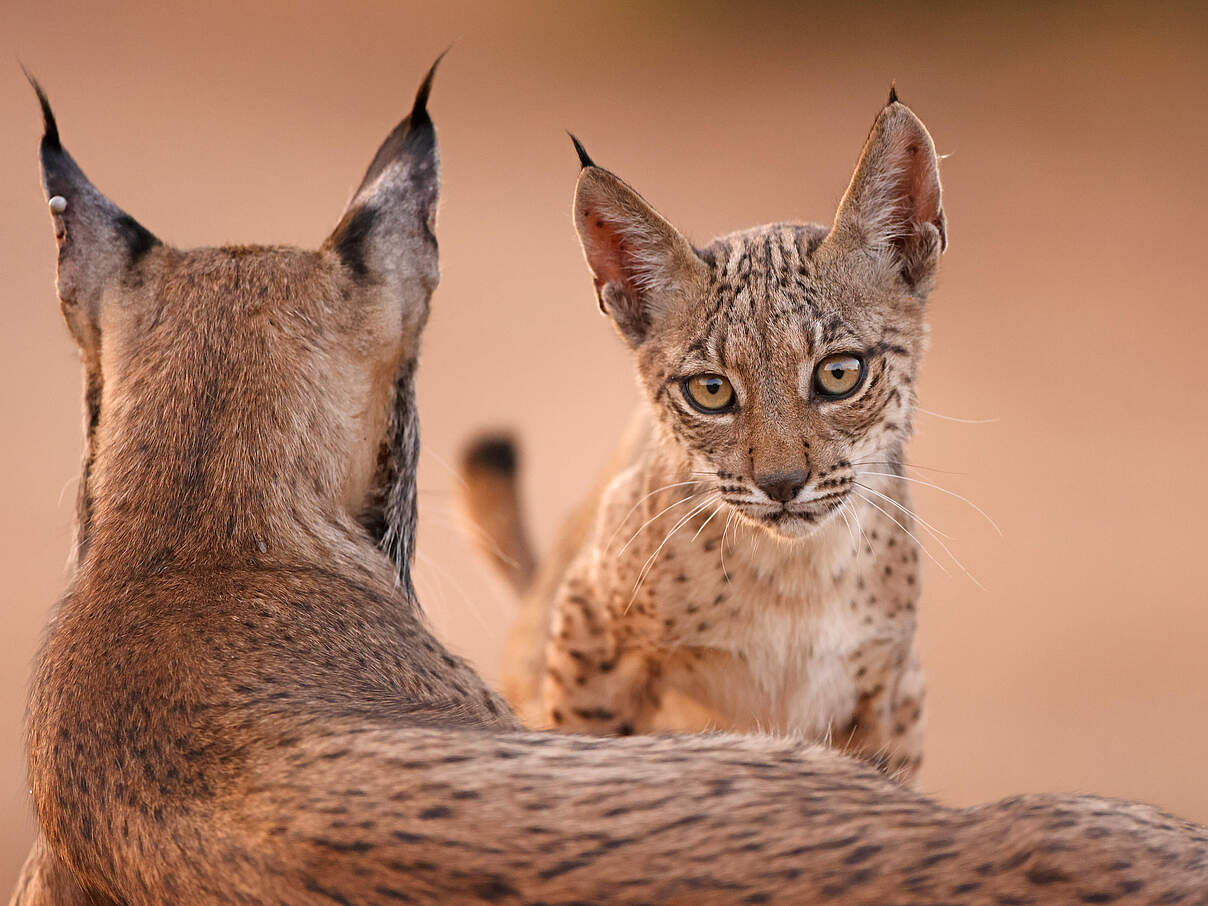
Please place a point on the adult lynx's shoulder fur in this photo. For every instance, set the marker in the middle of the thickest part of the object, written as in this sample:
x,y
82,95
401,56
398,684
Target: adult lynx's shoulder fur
x,y
750,563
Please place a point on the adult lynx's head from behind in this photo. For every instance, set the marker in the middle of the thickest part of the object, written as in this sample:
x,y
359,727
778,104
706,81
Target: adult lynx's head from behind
x,y
779,359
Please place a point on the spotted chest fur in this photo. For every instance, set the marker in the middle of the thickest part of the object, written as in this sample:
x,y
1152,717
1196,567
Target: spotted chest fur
x,y
732,629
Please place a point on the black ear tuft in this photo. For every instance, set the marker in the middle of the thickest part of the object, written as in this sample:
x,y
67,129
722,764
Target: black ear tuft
x,y
419,110
50,129
97,239
585,160
414,137
893,93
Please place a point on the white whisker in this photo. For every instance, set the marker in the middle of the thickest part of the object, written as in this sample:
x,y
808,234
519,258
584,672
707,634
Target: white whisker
x,y
729,519
953,418
642,527
935,533
872,503
855,545
907,510
908,465
942,490
649,564
716,510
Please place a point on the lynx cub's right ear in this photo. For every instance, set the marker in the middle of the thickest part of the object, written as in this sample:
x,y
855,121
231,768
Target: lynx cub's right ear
x,y
642,266
893,209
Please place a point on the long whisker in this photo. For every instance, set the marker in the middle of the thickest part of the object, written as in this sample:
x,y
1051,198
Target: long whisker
x,y
850,531
642,527
942,490
621,522
909,465
649,564
444,464
953,418
716,510
452,520
872,503
907,510
850,506
730,519
860,525
934,533
471,605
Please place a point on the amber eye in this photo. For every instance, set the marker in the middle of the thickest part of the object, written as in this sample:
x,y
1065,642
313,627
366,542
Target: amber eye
x,y
838,376
709,392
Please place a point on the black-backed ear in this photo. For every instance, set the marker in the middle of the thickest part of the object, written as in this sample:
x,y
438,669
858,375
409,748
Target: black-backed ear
x,y
387,234
97,240
641,265
893,209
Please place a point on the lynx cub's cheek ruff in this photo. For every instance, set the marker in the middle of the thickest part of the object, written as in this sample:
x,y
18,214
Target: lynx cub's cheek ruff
x,y
750,563
238,700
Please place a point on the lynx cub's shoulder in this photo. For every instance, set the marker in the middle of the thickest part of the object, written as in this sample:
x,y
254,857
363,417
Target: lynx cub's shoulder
x,y
750,564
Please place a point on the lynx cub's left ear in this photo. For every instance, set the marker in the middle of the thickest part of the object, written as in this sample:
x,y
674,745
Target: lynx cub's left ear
x,y
893,209
642,267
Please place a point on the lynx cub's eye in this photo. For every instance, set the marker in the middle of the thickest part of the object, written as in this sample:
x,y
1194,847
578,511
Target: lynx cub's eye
x,y
838,376
709,392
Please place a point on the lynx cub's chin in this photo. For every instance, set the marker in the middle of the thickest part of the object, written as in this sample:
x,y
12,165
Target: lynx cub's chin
x,y
749,564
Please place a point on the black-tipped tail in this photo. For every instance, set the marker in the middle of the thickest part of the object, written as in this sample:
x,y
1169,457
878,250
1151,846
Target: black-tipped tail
x,y
495,453
491,500
585,160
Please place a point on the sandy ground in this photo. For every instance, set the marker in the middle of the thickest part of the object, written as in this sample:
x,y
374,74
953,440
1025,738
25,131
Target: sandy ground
x,y
1071,311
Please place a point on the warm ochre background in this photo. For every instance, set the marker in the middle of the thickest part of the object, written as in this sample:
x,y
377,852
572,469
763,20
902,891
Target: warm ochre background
x,y
1072,308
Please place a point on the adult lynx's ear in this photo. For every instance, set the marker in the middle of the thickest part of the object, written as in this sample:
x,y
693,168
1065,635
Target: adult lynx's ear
x,y
642,266
98,241
386,237
893,209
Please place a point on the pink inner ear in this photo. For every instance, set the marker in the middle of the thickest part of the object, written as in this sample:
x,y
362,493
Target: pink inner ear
x,y
918,183
606,253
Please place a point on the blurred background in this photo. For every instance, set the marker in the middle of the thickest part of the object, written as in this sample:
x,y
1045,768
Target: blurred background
x,y
1069,325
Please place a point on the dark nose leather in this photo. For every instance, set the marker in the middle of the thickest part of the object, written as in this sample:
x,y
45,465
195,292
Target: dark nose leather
x,y
782,488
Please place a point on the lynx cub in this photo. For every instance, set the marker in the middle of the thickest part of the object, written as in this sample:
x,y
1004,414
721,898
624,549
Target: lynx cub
x,y
750,563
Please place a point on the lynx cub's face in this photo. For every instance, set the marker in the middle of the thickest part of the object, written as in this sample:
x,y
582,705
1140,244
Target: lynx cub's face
x,y
780,359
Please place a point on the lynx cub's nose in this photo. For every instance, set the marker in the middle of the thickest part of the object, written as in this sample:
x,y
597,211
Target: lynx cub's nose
x,y
782,488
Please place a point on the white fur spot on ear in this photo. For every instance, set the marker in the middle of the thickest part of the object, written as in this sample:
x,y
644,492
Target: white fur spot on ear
x,y
58,204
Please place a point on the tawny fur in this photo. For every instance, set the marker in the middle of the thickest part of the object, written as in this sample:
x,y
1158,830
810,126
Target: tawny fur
x,y
691,599
238,702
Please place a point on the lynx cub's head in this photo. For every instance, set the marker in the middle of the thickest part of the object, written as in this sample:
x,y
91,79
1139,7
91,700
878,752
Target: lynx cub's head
x,y
780,359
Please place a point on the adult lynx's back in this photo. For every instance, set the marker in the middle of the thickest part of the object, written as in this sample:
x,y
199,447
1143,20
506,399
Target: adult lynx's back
x,y
238,703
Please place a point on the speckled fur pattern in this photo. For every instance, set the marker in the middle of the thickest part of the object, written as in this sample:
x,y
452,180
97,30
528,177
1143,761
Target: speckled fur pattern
x,y
696,601
237,703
